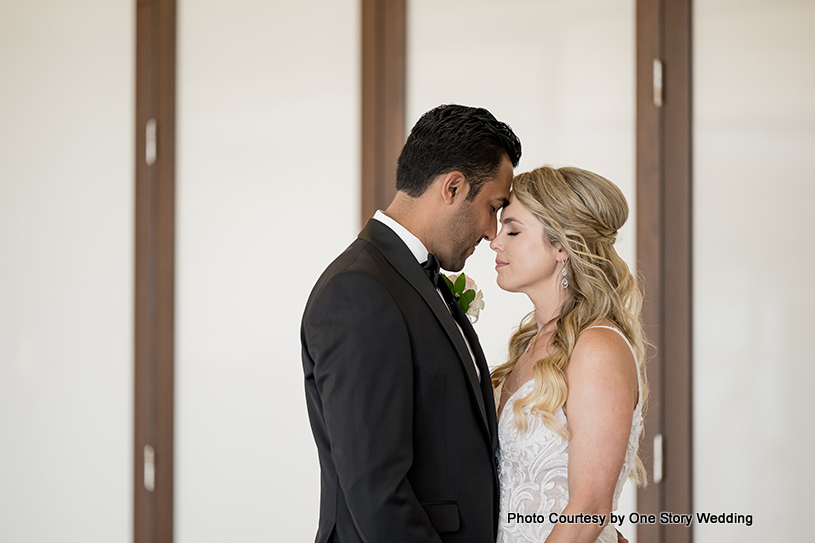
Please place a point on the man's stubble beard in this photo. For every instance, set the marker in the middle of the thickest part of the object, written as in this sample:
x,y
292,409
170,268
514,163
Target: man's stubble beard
x,y
462,236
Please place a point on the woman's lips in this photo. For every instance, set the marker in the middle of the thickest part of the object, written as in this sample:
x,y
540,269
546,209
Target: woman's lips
x,y
500,264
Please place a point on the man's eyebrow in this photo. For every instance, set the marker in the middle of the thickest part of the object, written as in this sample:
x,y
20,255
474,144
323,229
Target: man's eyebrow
x,y
502,202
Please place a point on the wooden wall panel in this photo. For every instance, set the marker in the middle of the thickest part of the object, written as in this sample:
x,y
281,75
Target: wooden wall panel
x,y
664,249
383,100
155,268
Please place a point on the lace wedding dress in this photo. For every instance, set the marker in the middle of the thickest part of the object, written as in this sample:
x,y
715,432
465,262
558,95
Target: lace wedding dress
x,y
533,470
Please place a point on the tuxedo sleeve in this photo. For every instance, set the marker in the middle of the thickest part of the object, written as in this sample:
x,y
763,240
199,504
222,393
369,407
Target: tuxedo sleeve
x,y
363,371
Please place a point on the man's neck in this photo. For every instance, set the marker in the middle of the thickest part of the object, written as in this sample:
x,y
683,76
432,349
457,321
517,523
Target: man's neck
x,y
407,212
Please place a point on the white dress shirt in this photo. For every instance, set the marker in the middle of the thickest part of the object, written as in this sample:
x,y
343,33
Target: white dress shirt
x,y
420,253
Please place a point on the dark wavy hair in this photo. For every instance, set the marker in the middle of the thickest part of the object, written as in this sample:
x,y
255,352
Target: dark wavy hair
x,y
455,138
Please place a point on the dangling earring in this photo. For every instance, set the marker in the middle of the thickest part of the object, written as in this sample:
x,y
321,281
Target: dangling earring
x,y
565,282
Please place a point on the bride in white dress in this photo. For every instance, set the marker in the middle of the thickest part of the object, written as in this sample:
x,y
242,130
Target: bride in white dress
x,y
570,398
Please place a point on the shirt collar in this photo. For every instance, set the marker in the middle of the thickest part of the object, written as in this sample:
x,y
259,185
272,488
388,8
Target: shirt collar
x,y
413,243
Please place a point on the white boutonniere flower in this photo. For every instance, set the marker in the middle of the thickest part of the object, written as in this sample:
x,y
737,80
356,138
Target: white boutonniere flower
x,y
466,294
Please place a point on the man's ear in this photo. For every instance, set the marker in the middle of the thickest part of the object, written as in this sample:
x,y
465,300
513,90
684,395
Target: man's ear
x,y
453,186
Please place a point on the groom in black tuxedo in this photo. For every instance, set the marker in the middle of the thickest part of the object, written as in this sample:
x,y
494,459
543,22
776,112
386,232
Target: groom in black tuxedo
x,y
397,387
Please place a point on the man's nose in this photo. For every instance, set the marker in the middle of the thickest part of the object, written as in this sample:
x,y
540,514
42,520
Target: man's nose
x,y
492,231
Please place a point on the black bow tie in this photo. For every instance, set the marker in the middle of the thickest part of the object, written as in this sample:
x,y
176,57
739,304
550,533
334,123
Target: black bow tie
x,y
431,268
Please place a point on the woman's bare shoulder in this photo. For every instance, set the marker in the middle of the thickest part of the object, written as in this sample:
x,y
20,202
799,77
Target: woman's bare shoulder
x,y
603,357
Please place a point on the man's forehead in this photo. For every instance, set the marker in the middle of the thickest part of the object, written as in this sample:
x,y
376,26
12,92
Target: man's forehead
x,y
495,189
501,187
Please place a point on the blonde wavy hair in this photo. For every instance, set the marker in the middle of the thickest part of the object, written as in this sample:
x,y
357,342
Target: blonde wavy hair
x,y
582,212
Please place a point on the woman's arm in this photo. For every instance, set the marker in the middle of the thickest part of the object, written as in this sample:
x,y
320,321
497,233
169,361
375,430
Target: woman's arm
x,y
602,380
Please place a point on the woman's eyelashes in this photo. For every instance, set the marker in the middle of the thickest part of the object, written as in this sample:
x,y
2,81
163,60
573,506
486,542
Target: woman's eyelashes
x,y
513,233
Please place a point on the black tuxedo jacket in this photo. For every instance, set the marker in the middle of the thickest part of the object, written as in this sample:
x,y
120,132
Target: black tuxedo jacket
x,y
405,433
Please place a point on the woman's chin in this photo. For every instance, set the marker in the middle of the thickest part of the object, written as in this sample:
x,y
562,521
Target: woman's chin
x,y
503,285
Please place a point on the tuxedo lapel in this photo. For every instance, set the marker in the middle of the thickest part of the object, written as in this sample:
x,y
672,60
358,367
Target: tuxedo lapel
x,y
481,362
400,257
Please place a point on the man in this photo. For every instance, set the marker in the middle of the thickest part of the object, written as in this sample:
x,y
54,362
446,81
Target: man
x,y
397,387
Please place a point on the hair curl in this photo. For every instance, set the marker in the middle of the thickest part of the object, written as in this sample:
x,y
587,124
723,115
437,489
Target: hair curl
x,y
582,212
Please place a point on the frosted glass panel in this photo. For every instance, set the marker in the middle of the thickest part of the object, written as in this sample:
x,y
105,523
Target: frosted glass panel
x,y
268,195
754,165
561,74
66,271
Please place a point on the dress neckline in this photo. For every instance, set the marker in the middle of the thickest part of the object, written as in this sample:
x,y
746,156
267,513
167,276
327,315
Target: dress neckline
x,y
517,390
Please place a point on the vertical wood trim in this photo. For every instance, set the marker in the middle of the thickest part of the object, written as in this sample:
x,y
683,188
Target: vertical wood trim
x,y
649,246
664,252
383,100
677,239
155,269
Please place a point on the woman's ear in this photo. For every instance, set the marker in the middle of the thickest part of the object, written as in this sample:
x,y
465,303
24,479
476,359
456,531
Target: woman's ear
x,y
453,186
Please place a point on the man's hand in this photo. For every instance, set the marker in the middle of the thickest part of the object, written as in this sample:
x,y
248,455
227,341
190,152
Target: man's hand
x,y
621,538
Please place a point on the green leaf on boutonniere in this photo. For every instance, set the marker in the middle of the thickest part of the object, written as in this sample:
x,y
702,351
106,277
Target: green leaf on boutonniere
x,y
466,299
461,281
466,294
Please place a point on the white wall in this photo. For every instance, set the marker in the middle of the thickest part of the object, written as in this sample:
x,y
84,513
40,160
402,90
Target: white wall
x,y
268,195
66,271
561,74
754,167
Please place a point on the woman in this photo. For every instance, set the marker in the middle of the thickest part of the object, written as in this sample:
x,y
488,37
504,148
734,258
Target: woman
x,y
570,397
